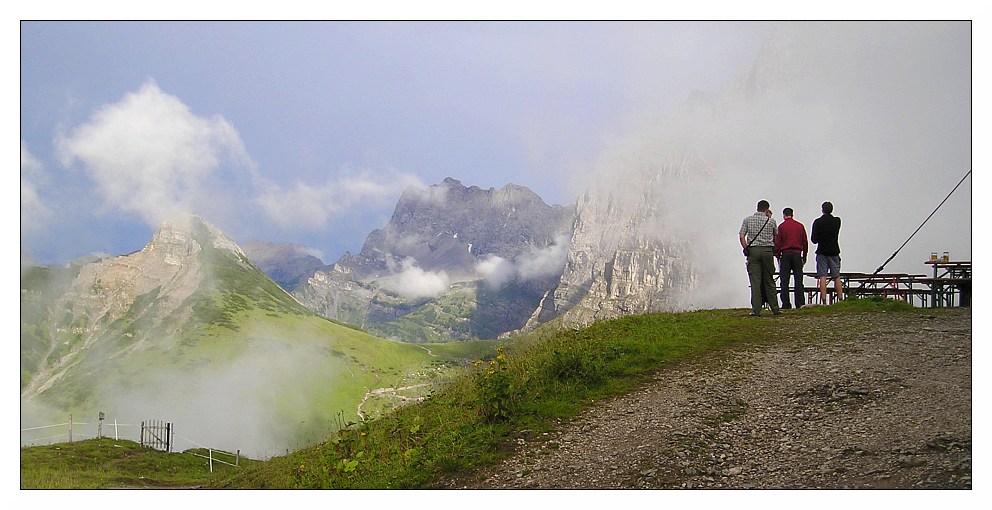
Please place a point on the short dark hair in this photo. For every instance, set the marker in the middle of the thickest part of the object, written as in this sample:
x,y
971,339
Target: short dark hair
x,y
763,205
827,208
787,211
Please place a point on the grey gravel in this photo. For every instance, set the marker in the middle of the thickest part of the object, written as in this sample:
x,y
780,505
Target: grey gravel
x,y
879,401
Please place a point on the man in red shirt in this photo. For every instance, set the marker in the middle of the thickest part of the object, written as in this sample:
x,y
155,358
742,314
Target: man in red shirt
x,y
791,249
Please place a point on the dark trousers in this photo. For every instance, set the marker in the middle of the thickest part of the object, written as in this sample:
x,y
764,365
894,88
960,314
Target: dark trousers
x,y
791,265
761,272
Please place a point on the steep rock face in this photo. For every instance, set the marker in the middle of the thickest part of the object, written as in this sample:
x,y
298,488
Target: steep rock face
x,y
170,262
336,295
622,260
449,226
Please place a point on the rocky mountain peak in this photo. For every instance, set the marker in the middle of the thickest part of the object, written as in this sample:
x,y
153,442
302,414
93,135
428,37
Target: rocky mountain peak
x,y
181,238
451,226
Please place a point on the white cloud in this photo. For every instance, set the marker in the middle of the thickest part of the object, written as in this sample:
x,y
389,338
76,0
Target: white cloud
x,y
239,404
411,281
538,263
149,154
311,206
496,270
544,262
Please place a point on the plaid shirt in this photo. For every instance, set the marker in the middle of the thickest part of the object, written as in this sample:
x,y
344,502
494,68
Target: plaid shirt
x,y
751,226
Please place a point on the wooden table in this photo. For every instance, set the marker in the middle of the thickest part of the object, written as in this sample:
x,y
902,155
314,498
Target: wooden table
x,y
904,286
951,283
949,286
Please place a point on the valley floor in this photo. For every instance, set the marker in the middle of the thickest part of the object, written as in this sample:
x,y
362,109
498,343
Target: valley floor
x,y
889,406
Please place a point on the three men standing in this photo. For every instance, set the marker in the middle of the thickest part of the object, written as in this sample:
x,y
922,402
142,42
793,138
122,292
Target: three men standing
x,y
763,241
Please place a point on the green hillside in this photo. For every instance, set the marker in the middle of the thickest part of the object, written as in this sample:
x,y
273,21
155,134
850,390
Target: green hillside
x,y
115,464
238,361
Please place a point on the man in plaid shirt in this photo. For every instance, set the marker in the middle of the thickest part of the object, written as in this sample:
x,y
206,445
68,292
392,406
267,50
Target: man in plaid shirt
x,y
757,237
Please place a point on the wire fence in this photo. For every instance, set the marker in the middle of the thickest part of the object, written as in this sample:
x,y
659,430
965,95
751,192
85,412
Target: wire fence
x,y
72,430
213,455
77,430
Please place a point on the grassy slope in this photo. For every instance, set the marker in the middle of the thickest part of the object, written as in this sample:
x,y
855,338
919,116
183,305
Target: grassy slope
x,y
527,388
107,463
239,341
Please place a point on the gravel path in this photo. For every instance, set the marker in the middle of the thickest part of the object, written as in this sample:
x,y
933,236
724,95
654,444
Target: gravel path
x,y
881,400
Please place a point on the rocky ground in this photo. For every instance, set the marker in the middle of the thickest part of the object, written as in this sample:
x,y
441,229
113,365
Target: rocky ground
x,y
889,406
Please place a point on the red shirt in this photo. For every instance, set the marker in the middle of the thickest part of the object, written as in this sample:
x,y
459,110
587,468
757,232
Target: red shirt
x,y
791,237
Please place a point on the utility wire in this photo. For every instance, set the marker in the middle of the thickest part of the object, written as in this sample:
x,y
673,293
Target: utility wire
x,y
921,225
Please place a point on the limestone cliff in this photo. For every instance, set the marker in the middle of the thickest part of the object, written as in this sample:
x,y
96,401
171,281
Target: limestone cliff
x,y
623,259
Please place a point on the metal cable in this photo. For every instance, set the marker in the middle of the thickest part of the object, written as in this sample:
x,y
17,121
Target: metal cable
x,y
921,225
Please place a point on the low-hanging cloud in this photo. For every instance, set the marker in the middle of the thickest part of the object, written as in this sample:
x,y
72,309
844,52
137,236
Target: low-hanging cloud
x,y
538,263
496,270
253,403
543,262
409,280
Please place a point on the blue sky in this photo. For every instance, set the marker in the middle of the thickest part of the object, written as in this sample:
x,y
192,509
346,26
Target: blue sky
x,y
313,129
